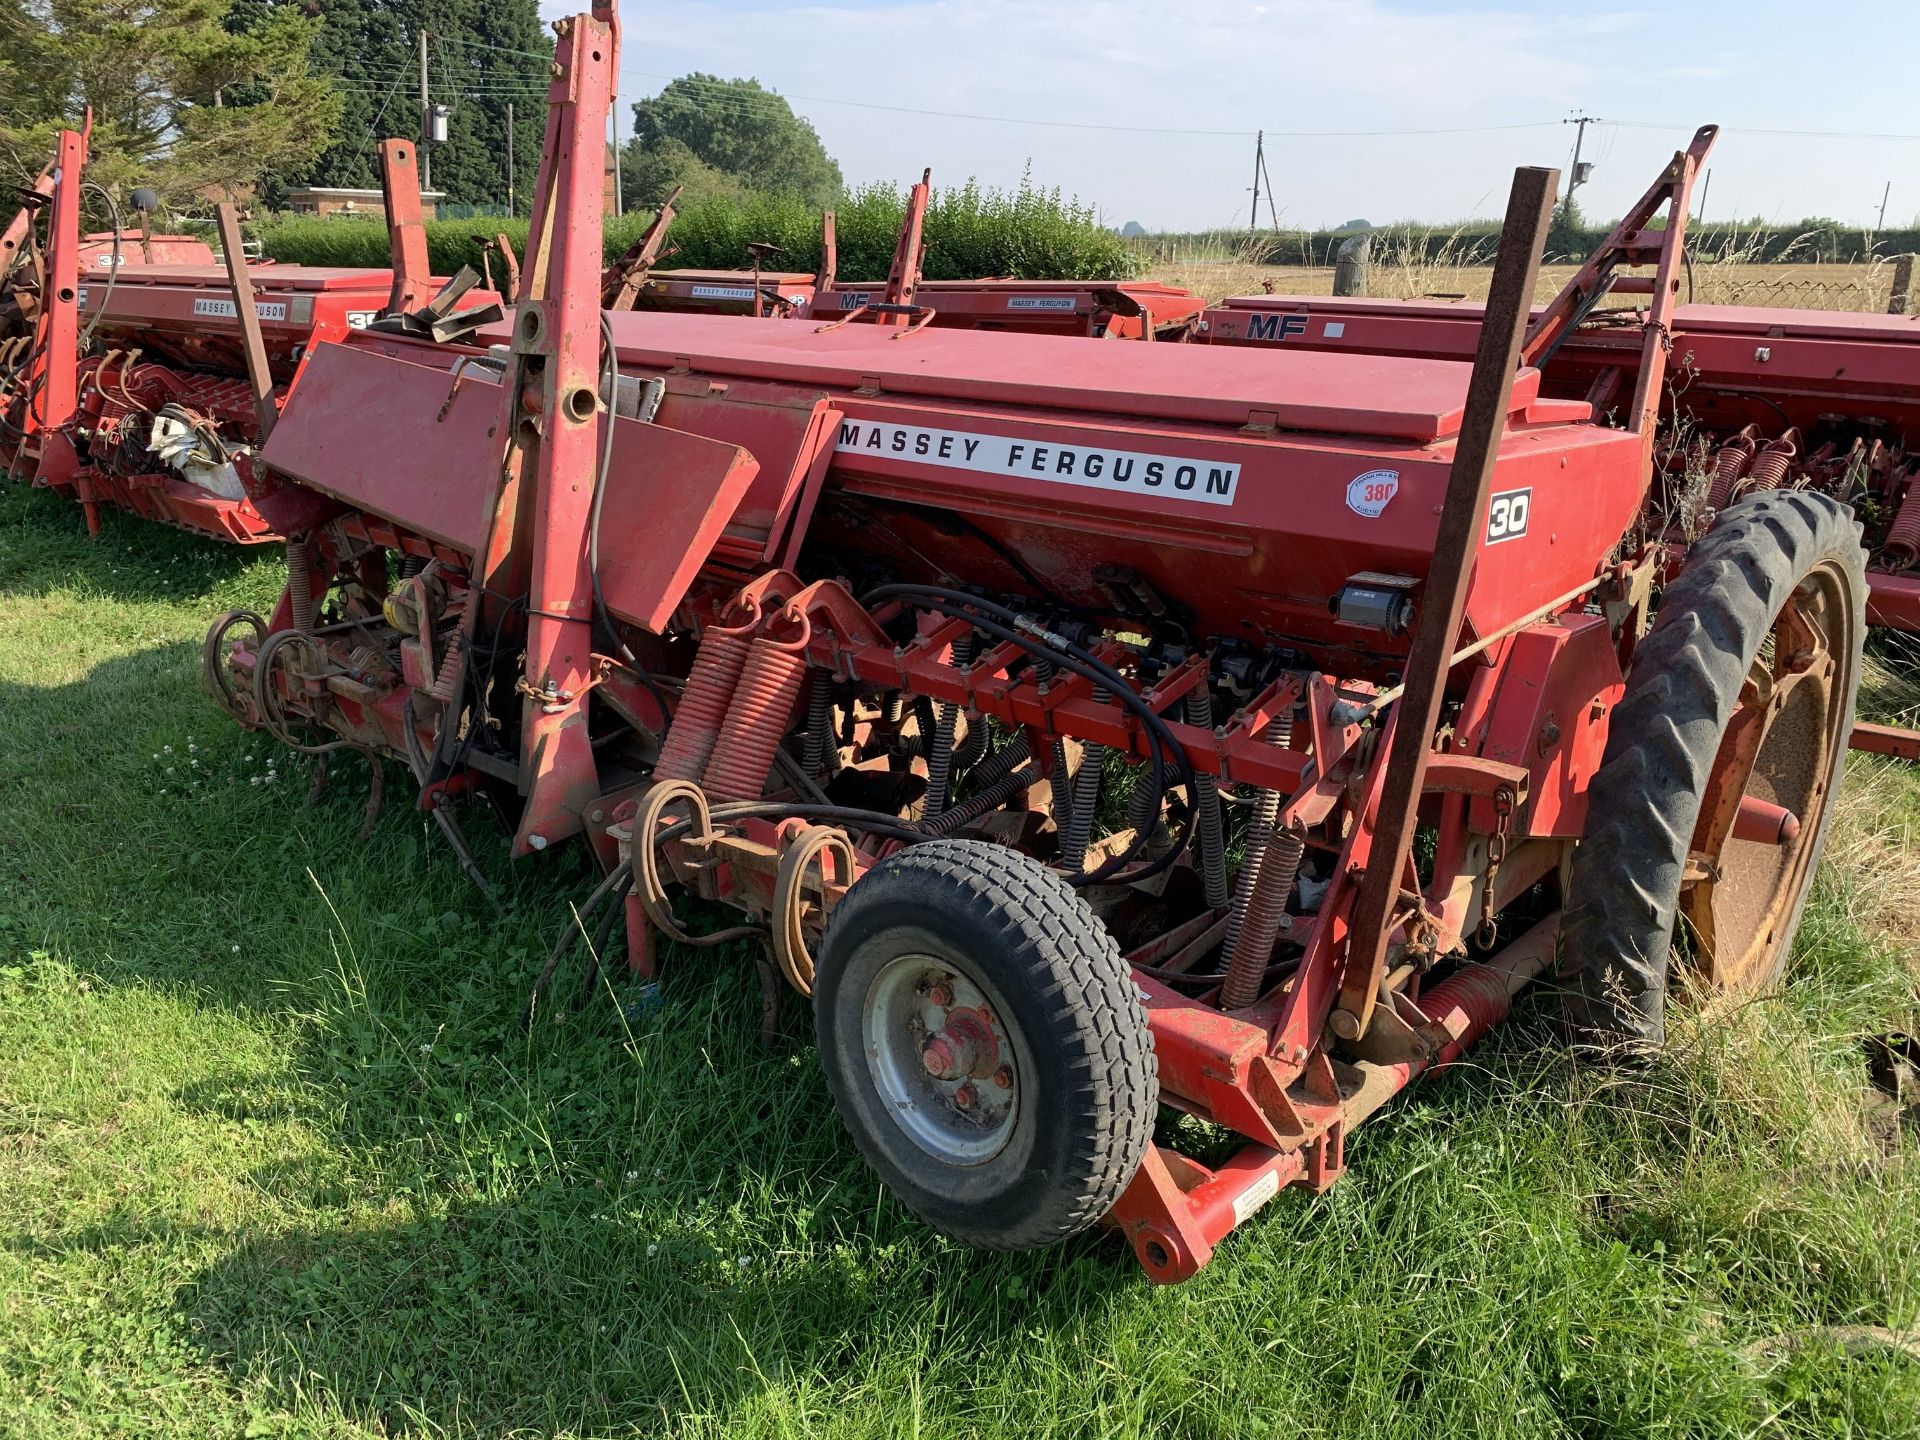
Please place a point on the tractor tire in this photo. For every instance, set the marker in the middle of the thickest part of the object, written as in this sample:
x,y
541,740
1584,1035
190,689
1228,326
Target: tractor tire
x,y
973,961
1782,564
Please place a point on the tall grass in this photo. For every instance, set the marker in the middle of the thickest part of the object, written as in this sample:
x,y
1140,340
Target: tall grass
x,y
1029,233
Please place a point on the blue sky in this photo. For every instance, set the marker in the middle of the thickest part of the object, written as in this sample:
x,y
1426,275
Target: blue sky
x,y
1653,72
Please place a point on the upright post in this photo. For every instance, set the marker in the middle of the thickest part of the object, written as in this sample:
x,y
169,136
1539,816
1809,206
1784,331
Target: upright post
x,y
1259,165
510,144
1902,285
406,235
252,346
426,112
536,540
1443,603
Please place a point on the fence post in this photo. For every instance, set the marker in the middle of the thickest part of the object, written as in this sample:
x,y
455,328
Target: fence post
x,y
1350,265
1902,285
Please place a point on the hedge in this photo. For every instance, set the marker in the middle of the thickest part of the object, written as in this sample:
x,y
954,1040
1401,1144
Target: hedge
x,y
972,231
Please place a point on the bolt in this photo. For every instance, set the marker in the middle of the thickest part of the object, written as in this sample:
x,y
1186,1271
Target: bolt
x,y
965,1097
538,842
1003,1077
941,995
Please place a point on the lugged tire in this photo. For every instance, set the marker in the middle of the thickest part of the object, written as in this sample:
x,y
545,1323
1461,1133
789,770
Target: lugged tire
x,y
1623,889
1089,1082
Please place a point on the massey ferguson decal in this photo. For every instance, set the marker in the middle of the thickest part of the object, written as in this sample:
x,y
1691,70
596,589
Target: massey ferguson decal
x,y
1275,327
1092,467
1042,302
1371,493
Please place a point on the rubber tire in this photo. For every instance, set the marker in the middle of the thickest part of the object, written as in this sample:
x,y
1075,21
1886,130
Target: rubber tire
x,y
1089,1081
1623,886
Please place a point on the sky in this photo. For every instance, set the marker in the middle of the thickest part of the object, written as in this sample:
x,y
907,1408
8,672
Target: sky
x,y
1501,77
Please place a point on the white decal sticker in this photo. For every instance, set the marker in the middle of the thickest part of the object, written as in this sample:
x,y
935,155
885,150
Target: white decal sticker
x,y
265,309
1254,1196
723,292
360,319
1370,493
854,299
1094,467
1335,329
107,262
1507,515
1042,302
80,297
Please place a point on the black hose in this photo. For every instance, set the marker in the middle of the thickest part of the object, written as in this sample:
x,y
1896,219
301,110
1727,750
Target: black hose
x,y
1069,656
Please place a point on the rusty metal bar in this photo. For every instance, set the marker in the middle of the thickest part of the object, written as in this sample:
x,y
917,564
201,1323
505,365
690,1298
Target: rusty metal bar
x,y
252,346
406,235
1463,520
1886,740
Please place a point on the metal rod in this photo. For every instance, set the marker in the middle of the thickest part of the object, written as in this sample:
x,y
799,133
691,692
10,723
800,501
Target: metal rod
x,y
1463,520
253,347
1512,627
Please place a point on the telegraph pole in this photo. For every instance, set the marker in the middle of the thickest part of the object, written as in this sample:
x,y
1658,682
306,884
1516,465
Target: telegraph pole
x,y
1706,182
1574,177
1259,167
426,121
510,141
1881,224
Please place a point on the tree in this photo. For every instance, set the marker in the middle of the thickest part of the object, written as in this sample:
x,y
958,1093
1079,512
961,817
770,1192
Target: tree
x,y
481,56
183,99
714,135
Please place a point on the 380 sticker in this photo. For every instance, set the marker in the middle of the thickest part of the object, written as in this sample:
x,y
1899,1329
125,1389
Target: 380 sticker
x,y
1369,494
1507,515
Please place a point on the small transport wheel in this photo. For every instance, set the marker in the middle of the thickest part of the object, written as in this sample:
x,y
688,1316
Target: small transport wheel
x,y
985,1044
1743,688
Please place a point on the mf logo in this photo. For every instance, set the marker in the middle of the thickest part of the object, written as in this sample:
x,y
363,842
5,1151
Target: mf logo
x,y
1275,327
1507,515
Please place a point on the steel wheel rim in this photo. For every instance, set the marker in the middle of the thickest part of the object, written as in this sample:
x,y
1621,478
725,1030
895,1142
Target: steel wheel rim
x,y
962,1118
1742,899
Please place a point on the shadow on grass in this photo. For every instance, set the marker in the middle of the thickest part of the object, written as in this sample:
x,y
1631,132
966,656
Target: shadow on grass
x,y
44,546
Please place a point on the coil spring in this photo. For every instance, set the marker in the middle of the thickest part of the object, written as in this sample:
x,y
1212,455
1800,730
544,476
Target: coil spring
x,y
446,684
702,710
1266,811
1260,927
758,719
1902,547
819,721
989,799
1770,466
1143,810
940,753
300,584
1086,800
1730,467
1210,841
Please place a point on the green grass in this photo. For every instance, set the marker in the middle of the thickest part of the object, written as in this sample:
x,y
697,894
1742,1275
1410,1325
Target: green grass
x,y
276,1158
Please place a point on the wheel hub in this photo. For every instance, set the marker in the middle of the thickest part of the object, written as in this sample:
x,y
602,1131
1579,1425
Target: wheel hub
x,y
941,1058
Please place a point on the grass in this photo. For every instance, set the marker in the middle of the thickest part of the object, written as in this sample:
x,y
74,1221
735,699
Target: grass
x,y
276,1158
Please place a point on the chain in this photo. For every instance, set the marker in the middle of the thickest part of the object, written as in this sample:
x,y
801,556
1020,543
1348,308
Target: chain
x,y
1496,852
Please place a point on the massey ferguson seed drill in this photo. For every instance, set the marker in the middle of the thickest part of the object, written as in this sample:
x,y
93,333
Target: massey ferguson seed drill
x,y
148,383
1087,729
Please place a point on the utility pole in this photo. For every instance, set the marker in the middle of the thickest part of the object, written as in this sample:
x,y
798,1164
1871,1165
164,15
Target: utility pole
x,y
1575,175
1706,183
1881,223
1259,167
510,142
426,121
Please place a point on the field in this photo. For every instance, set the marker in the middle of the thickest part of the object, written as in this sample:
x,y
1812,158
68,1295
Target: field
x,y
1713,282
278,1159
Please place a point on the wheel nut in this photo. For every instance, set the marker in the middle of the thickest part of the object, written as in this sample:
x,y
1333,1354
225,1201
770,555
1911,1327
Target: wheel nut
x,y
964,1097
1003,1077
941,995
